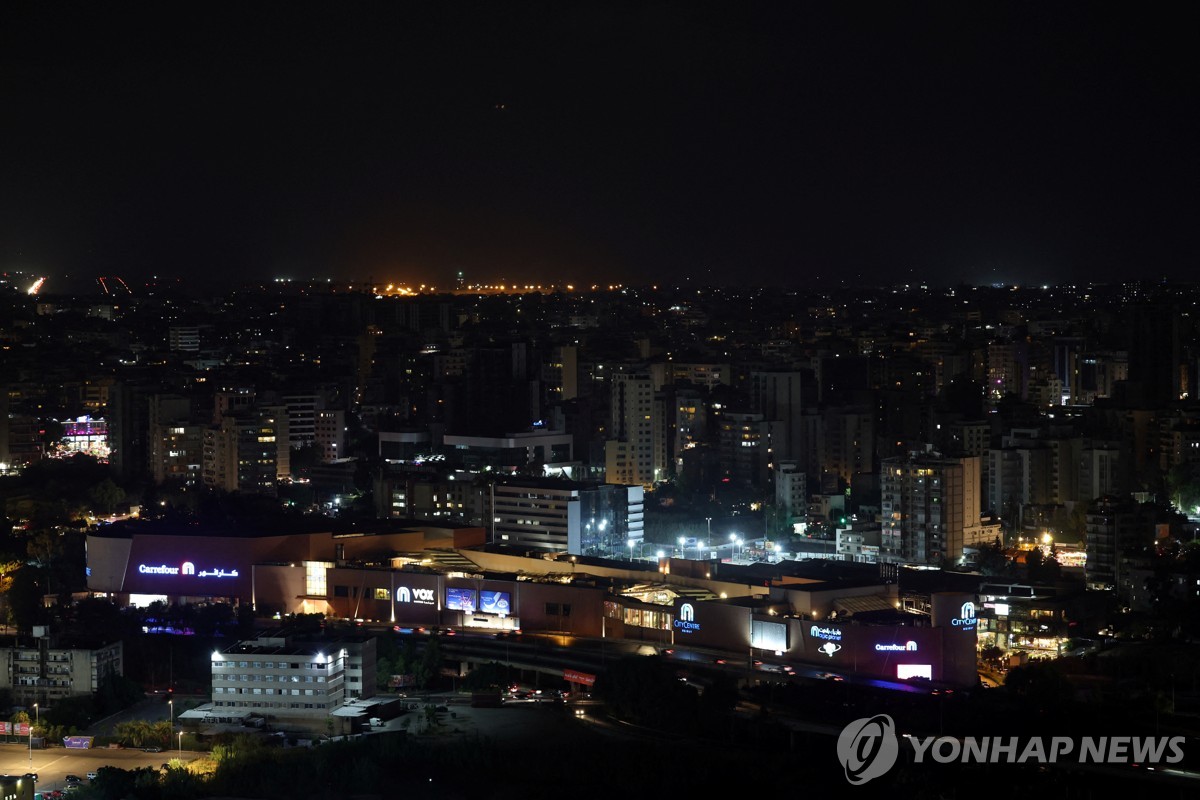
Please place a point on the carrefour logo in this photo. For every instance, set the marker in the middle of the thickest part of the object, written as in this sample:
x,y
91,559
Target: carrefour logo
x,y
423,597
687,619
909,646
186,568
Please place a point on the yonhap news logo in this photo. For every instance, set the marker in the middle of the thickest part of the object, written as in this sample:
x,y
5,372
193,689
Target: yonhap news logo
x,y
868,748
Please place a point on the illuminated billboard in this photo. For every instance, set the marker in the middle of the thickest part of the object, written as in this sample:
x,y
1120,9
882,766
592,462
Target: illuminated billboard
x,y
460,599
768,635
495,602
905,671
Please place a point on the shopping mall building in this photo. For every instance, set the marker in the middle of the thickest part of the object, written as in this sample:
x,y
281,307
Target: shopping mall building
x,y
420,574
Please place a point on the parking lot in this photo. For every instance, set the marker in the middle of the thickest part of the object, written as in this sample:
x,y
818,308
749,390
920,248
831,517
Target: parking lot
x,y
55,764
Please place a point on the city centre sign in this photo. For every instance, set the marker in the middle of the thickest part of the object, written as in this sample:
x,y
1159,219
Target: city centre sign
x,y
186,569
422,597
687,619
966,617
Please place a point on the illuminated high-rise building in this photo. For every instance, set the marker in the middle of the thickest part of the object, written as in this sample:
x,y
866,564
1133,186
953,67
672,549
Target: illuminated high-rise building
x,y
930,508
635,453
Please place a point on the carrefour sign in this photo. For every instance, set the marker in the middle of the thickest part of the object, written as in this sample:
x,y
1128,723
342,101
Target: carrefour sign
x,y
909,646
421,597
187,568
686,622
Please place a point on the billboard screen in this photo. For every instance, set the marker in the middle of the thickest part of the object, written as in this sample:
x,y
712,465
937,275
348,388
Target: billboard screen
x,y
768,635
495,603
906,671
460,599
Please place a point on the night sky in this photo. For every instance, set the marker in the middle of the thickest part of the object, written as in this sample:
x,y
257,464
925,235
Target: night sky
x,y
770,143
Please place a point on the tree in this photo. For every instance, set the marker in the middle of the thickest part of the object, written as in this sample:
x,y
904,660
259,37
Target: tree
x,y
431,660
25,598
1042,684
113,783
116,692
1033,564
993,560
106,495
1183,484
45,546
1042,568
1069,526
304,459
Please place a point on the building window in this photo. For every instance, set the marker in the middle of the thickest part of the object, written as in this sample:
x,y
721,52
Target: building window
x,y
314,578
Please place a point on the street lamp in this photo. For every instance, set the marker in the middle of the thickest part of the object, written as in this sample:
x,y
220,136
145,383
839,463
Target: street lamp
x,y
631,543
683,546
37,712
181,744
171,703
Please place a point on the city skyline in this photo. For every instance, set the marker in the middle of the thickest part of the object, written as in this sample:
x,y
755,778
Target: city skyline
x,y
699,145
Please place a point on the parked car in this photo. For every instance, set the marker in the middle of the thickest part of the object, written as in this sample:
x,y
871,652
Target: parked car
x,y
73,779
91,776
152,749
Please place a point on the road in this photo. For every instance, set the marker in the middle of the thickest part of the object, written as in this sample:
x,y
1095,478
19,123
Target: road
x,y
153,708
55,764
554,652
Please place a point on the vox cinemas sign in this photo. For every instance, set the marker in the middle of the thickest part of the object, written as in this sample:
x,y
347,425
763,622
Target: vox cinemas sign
x,y
421,597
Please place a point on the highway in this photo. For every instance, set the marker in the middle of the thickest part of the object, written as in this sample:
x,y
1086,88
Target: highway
x,y
551,653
